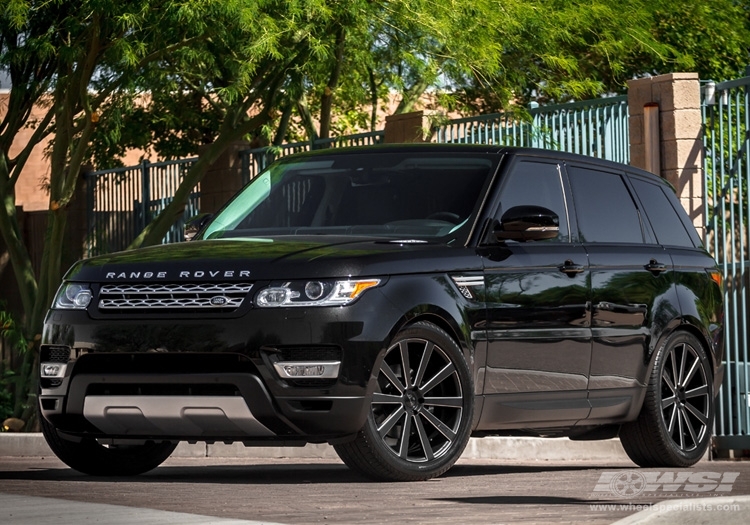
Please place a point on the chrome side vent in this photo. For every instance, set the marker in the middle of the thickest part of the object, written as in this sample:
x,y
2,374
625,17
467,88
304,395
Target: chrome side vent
x,y
466,283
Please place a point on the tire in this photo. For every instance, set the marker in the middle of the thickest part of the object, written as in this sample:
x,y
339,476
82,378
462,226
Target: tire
x,y
674,426
90,457
421,412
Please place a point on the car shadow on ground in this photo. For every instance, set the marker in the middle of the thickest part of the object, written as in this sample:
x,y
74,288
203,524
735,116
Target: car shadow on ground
x,y
281,474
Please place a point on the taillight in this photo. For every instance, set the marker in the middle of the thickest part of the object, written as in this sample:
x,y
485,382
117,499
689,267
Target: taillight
x,y
716,276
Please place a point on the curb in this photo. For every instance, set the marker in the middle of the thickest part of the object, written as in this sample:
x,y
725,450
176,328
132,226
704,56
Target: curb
x,y
728,510
510,448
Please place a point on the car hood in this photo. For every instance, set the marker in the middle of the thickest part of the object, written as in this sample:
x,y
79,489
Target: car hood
x,y
275,258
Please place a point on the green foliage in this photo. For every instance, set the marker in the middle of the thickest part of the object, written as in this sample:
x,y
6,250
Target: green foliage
x,y
11,332
712,38
6,393
13,337
351,58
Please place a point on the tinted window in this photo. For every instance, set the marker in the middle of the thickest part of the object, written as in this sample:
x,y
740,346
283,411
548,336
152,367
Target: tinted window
x,y
663,218
537,184
605,210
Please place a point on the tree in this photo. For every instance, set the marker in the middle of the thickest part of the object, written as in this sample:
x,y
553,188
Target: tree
x,y
71,58
569,50
234,60
713,38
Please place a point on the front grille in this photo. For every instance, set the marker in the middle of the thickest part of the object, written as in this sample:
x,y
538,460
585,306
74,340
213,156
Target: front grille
x,y
220,297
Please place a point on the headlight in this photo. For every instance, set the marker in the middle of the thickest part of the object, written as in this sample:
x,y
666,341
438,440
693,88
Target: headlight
x,y
73,296
314,293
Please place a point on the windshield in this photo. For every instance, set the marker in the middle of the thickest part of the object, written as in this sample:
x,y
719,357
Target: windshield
x,y
411,195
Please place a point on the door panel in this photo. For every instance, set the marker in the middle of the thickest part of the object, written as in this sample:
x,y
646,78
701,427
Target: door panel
x,y
626,298
538,320
538,331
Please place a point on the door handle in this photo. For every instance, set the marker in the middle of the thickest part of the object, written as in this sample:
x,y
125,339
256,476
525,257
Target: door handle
x,y
571,269
655,267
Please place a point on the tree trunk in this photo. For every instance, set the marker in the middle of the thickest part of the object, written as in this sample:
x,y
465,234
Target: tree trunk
x,y
281,130
411,97
326,100
373,99
306,117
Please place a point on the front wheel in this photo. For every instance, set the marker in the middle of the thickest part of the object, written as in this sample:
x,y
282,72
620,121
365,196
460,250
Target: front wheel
x,y
674,426
90,457
420,414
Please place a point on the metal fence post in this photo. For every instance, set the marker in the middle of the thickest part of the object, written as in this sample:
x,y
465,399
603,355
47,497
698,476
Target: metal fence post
x,y
90,213
145,193
534,139
244,166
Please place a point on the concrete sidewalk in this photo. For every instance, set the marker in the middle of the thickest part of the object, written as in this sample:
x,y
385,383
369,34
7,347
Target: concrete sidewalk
x,y
511,448
30,510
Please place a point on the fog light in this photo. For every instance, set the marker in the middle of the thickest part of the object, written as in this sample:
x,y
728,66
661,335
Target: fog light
x,y
304,371
319,370
53,370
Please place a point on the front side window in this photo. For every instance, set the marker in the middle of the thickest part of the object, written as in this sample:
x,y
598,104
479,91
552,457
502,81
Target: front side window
x,y
535,183
416,195
604,207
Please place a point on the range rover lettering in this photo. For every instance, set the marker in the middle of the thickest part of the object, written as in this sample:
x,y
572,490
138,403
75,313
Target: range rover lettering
x,y
394,301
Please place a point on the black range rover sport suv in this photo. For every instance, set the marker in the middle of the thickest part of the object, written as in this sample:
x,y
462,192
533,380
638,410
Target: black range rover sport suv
x,y
394,301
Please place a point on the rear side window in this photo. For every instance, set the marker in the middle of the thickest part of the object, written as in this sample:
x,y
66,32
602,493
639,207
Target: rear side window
x,y
663,217
604,207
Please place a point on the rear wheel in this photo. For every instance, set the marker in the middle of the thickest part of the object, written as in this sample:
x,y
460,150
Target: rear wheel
x,y
91,457
421,412
674,426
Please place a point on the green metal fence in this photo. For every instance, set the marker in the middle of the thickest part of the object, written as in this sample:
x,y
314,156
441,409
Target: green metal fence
x,y
598,128
256,160
122,201
726,120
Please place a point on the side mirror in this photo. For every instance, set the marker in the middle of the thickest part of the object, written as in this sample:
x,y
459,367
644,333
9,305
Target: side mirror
x,y
528,223
196,224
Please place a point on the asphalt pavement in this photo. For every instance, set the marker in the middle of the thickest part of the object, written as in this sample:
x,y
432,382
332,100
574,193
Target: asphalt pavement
x,y
498,480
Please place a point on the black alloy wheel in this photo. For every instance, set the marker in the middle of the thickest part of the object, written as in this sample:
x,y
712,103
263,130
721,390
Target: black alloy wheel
x,y
674,427
420,413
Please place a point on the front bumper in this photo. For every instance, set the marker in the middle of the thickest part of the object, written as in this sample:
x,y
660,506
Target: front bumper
x,y
211,379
